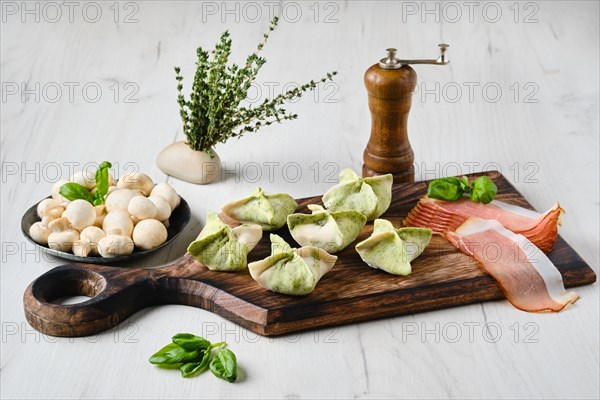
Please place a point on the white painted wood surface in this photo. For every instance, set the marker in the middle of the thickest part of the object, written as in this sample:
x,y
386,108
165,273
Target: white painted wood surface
x,y
549,148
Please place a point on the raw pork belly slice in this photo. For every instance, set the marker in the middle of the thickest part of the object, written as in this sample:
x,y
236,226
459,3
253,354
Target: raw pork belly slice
x,y
528,278
446,216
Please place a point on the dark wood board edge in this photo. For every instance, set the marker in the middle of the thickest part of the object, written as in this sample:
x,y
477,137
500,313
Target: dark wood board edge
x,y
447,295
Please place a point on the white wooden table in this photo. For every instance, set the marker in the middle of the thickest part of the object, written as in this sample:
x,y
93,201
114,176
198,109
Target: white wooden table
x,y
88,82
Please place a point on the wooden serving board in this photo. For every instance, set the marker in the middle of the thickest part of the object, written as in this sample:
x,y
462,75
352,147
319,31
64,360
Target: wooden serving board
x,y
442,277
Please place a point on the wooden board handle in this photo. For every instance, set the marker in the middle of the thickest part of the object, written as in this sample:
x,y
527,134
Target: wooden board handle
x,y
115,294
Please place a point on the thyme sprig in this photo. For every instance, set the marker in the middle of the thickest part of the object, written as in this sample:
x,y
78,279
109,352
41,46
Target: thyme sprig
x,y
213,113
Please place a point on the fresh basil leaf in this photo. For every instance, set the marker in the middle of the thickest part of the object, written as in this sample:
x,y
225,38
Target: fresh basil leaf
x,y
449,189
194,368
74,191
97,199
169,366
464,184
224,365
191,342
102,181
172,354
484,190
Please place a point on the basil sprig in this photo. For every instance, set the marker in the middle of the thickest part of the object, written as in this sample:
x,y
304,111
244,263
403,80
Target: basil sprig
x,y
224,365
189,341
193,354
482,189
74,191
450,189
191,369
174,354
101,183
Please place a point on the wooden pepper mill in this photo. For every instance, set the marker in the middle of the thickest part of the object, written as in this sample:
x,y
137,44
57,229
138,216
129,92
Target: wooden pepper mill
x,y
390,84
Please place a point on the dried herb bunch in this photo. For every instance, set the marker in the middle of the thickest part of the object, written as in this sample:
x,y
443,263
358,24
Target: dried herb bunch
x,y
213,113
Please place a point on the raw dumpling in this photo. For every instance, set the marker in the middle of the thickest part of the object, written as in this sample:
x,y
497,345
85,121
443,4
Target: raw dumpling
x,y
330,231
371,196
392,249
270,211
223,248
291,271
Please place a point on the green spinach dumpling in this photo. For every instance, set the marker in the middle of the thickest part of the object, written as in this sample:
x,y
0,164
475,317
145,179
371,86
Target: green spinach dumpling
x,y
270,211
291,271
392,249
223,248
330,231
371,196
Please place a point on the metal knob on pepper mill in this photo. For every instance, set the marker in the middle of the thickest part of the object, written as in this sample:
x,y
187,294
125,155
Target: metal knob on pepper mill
x,y
390,84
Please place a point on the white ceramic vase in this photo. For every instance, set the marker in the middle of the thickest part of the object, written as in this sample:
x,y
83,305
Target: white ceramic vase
x,y
180,161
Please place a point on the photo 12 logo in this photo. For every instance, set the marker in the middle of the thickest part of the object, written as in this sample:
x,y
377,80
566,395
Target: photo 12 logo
x,y
471,332
275,171
471,92
24,333
71,92
470,11
53,12
326,92
53,171
232,333
289,11
517,171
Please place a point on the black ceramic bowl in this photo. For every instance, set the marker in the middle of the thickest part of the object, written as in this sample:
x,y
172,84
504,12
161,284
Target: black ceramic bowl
x,y
177,222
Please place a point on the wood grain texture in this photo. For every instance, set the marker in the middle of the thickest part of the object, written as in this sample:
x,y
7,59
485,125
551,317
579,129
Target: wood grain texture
x,y
442,277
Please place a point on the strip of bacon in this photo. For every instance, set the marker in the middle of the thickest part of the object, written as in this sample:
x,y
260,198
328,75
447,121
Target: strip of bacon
x,y
446,216
528,278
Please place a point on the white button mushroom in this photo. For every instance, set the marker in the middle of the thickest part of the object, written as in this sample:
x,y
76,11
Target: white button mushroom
x,y
62,236
92,236
111,181
55,192
82,248
118,222
141,207
149,233
47,220
80,214
136,180
100,215
39,233
115,245
166,191
50,208
119,199
86,178
163,207
63,241
59,224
